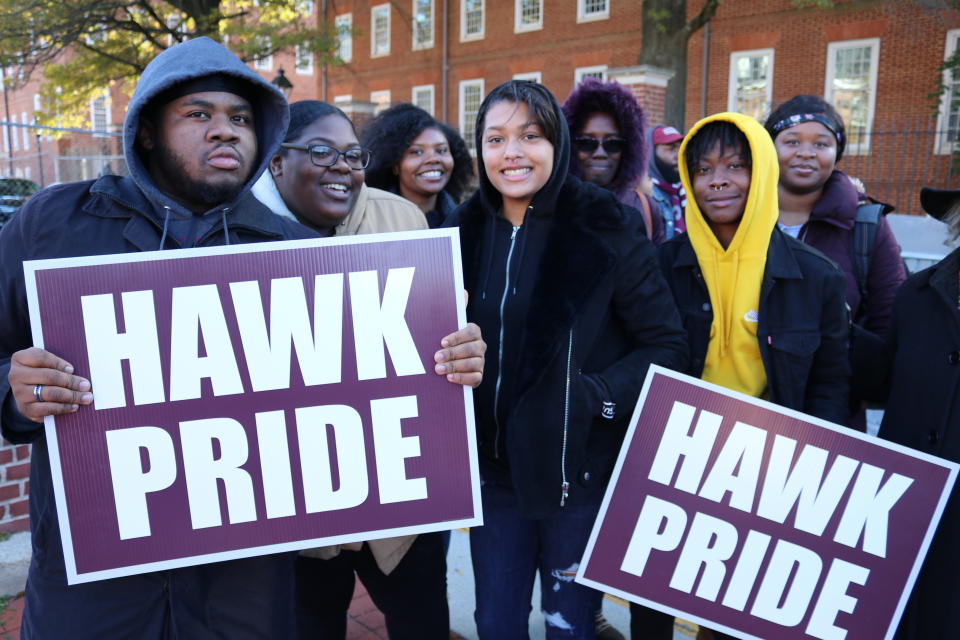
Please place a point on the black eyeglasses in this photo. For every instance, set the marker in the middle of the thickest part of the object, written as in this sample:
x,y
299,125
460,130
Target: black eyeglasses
x,y
324,156
589,145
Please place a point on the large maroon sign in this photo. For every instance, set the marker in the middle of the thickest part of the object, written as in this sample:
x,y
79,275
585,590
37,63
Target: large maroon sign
x,y
762,522
255,399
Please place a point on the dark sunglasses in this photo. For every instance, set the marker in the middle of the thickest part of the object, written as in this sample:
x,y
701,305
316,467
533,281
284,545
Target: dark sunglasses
x,y
324,156
589,145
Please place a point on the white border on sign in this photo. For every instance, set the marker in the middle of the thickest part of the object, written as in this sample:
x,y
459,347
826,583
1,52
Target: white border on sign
x,y
845,431
30,269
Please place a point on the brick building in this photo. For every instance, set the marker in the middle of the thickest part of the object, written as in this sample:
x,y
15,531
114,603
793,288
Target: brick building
x,y
877,60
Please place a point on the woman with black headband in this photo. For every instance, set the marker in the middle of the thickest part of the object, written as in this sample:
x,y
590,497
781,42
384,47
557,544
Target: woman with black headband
x,y
820,205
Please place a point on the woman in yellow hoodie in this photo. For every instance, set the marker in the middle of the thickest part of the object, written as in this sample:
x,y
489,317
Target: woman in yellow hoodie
x,y
764,313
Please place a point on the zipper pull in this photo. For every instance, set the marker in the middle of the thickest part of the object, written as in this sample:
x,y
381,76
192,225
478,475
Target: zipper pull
x,y
564,492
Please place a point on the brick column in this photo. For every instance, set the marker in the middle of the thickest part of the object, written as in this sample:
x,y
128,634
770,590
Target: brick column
x,y
648,84
14,487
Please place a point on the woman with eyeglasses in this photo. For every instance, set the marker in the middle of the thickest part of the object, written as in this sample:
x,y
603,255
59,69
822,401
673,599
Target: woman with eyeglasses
x,y
570,295
610,148
318,179
418,157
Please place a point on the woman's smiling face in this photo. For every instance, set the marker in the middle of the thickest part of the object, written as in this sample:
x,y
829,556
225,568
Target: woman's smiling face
x,y
517,157
424,169
320,197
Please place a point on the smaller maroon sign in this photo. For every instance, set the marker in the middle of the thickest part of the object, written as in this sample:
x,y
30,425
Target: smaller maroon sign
x,y
760,521
254,399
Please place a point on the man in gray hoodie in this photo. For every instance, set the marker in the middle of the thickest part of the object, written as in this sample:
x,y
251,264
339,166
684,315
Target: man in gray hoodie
x,y
200,129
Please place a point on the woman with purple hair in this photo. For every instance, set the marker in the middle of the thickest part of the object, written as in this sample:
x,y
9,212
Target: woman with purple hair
x,y
610,148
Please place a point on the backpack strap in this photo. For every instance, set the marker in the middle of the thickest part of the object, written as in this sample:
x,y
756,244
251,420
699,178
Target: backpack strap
x,y
862,244
645,212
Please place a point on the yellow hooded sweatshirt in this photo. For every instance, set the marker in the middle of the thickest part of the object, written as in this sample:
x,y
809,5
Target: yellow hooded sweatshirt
x,y
733,275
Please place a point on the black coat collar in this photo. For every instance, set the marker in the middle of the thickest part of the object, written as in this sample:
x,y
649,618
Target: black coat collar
x,y
577,258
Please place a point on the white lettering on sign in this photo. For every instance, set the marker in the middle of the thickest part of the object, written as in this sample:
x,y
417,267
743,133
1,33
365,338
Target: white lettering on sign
x,y
201,346
376,323
216,451
318,350
107,348
737,468
131,483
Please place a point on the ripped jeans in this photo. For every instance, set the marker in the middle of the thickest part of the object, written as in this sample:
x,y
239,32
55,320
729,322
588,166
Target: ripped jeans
x,y
507,552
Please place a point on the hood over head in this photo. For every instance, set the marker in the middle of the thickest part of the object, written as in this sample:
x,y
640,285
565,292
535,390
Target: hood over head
x,y
734,275
198,65
544,105
612,98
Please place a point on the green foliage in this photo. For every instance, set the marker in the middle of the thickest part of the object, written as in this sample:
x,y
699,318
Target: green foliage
x,y
85,46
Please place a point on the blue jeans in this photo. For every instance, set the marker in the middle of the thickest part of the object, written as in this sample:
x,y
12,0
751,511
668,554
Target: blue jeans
x,y
509,549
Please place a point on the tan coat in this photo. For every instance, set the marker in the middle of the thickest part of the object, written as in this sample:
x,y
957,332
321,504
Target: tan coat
x,y
375,211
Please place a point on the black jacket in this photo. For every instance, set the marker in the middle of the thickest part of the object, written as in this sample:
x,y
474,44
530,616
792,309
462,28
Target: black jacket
x,y
802,323
592,312
923,413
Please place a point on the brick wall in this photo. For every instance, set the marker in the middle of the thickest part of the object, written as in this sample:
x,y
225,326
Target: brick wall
x,y
14,487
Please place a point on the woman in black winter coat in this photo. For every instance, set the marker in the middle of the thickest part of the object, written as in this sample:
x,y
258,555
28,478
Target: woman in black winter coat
x,y
923,413
568,290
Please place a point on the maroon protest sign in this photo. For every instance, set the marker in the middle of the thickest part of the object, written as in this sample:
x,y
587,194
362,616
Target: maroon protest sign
x,y
255,399
760,521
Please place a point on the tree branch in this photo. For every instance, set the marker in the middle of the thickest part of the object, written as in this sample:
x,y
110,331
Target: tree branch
x,y
696,23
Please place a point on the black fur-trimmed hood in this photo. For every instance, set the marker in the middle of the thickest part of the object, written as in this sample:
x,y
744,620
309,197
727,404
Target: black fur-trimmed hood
x,y
576,257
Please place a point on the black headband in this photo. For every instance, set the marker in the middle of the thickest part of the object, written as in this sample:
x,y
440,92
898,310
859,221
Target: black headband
x,y
797,118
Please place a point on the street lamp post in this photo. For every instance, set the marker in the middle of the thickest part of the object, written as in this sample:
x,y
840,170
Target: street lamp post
x,y
281,82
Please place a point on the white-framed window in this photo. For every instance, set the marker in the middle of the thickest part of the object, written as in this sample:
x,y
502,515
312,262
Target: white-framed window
x,y
343,24
100,112
590,10
528,15
851,87
15,133
471,95
472,16
380,100
346,97
422,96
599,72
423,24
533,76
380,30
750,90
265,63
304,64
26,132
948,120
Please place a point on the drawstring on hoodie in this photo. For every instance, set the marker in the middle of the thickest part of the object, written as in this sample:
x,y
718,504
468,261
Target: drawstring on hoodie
x,y
223,219
166,221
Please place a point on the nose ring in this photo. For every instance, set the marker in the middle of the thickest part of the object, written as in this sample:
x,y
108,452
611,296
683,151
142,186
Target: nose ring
x,y
719,187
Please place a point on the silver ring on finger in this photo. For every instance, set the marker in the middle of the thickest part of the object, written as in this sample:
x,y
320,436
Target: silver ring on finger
x,y
37,390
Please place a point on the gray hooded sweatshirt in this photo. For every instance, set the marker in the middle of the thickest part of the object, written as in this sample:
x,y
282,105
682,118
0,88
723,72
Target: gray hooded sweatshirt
x,y
246,598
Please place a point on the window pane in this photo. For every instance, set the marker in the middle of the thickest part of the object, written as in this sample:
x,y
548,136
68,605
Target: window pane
x,y
591,7
423,23
851,89
381,31
473,10
471,97
529,13
344,26
752,80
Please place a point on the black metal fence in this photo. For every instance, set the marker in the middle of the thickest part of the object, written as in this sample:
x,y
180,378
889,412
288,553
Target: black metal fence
x,y
902,155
